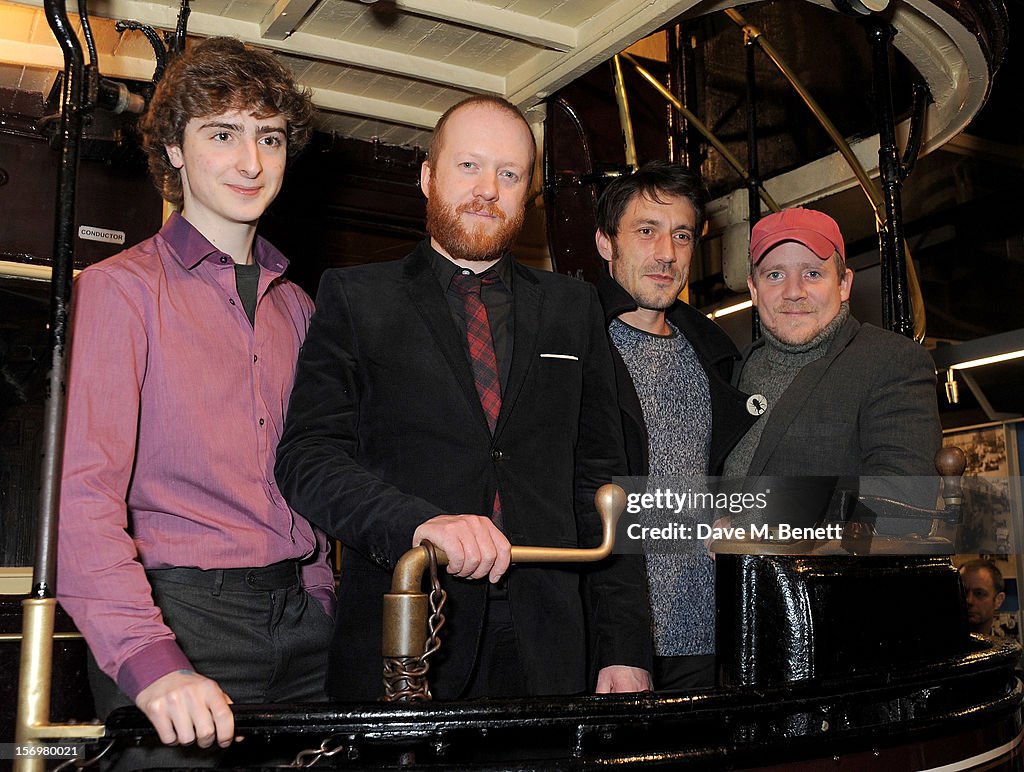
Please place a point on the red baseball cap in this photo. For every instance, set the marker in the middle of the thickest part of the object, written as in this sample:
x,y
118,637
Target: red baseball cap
x,y
815,230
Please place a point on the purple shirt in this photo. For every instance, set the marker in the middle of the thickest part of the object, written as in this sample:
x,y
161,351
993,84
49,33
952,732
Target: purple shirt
x,y
175,407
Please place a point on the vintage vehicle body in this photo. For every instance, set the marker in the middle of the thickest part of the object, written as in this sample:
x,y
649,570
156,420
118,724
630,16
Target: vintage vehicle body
x,y
815,673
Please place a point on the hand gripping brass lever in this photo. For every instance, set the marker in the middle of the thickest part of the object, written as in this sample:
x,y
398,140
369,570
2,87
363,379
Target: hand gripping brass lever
x,y
405,607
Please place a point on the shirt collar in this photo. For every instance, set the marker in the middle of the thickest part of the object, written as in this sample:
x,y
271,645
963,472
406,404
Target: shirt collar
x,y
190,247
445,269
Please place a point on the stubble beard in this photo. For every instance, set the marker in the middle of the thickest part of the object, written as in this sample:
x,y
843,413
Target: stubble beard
x,y
799,336
652,300
473,245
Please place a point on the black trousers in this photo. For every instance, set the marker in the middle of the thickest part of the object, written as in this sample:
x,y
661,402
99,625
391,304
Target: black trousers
x,y
679,674
498,671
256,632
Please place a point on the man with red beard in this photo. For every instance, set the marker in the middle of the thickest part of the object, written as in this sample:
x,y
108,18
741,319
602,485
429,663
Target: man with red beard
x,y
458,397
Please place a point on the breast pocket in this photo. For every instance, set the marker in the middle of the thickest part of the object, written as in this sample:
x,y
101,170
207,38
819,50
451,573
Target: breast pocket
x,y
559,373
555,389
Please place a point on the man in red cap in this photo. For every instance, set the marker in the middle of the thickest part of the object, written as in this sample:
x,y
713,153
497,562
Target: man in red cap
x,y
835,397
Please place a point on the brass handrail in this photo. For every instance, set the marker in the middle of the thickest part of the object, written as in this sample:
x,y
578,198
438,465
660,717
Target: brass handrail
x,y
754,35
699,125
625,121
405,607
35,679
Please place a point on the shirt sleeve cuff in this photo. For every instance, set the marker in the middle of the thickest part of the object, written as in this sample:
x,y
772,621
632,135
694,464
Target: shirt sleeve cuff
x,y
149,664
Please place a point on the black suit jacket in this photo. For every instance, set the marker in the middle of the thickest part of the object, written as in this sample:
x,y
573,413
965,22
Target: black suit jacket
x,y
717,355
385,430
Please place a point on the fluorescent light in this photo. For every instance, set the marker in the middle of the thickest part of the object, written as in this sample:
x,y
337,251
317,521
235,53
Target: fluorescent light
x,y
1001,347
720,312
988,360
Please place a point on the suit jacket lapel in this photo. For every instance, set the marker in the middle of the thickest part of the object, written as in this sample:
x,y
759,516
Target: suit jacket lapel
x,y
793,399
527,299
614,302
426,297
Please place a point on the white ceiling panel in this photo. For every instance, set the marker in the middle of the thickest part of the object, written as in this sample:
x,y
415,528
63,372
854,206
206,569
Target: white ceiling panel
x,y
389,69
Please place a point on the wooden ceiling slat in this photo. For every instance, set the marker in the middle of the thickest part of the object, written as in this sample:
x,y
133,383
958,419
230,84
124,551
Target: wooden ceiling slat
x,y
528,27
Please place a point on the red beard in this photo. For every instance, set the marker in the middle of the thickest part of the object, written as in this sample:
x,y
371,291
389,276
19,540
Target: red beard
x,y
477,245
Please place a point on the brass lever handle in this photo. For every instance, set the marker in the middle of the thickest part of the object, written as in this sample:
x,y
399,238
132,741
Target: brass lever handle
x,y
405,607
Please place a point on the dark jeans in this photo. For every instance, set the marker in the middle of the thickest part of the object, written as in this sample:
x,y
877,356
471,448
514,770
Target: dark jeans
x,y
255,632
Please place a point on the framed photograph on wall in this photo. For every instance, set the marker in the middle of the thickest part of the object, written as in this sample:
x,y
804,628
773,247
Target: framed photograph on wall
x,y
993,520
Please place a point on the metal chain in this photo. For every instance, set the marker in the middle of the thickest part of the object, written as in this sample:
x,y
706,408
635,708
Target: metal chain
x,y
437,599
405,678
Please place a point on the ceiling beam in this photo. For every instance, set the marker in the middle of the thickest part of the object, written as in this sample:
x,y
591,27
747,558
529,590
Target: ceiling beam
x,y
50,56
387,62
375,109
612,29
510,24
284,18
301,44
132,68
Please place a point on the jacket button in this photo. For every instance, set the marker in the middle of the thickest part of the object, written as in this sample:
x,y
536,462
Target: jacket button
x,y
496,455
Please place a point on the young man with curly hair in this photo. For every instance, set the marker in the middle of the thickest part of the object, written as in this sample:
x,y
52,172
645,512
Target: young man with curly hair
x,y
194,583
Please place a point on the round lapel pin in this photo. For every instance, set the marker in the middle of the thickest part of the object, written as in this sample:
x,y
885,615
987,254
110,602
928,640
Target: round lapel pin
x,y
757,404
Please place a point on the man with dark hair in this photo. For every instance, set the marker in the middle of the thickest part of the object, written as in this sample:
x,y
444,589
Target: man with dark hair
x,y
840,398
193,582
673,366
984,592
458,397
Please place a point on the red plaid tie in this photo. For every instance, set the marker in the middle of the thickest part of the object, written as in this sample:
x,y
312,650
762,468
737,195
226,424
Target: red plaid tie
x,y
481,346
481,352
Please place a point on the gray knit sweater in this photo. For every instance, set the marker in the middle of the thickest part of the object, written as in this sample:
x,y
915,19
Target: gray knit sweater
x,y
676,403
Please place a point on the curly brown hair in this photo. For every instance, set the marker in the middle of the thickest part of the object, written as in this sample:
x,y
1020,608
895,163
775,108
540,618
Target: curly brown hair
x,y
215,76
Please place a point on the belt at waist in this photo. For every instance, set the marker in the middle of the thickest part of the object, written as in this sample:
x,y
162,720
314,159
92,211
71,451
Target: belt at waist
x,y
277,576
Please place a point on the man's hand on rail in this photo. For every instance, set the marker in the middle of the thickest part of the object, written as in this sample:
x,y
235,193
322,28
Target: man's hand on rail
x,y
474,545
185,707
619,679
